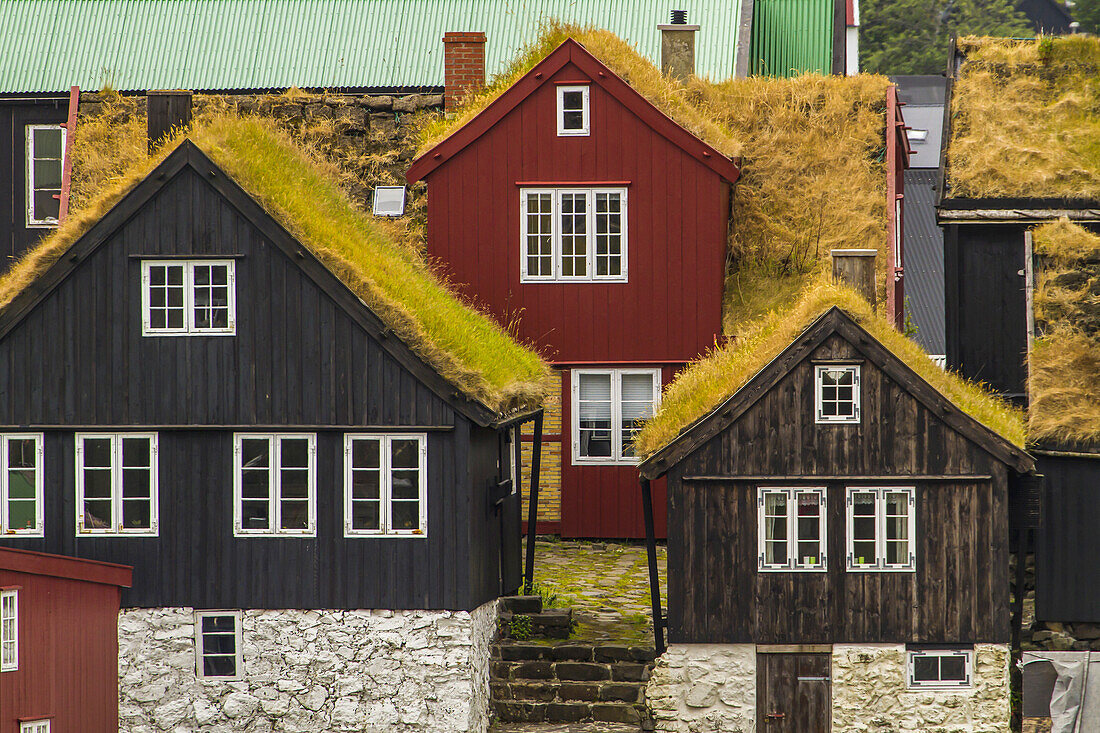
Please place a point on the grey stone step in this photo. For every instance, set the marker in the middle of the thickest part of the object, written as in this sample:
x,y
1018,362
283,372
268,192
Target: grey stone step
x,y
516,711
566,692
571,651
521,604
552,623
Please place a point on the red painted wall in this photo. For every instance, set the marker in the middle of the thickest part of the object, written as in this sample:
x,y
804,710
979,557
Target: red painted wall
x,y
68,655
670,309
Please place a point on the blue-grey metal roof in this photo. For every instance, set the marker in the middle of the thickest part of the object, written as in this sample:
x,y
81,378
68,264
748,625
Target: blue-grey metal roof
x,y
924,260
923,113
135,45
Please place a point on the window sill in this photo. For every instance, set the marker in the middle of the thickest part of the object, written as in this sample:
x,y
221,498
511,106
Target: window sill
x,y
572,280
881,570
115,535
384,535
275,535
148,334
608,462
821,570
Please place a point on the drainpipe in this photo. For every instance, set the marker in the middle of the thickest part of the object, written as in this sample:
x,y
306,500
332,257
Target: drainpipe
x,y
533,506
654,579
67,164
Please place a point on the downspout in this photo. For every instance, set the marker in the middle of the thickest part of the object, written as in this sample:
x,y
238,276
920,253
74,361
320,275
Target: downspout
x,y
533,506
654,579
67,165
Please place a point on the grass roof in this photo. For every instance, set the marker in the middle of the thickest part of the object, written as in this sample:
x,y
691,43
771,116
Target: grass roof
x,y
812,150
707,383
1064,363
1024,119
300,190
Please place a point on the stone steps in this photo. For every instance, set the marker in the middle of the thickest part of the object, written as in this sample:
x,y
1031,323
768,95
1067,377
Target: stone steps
x,y
523,617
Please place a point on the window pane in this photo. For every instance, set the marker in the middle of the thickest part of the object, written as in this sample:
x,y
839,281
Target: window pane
x,y
405,485
572,100
136,452
97,514
573,120
294,483
47,142
365,515
46,207
224,643
953,668
97,483
294,452
47,175
594,415
136,483
21,515
925,669
404,453
21,484
405,514
254,484
574,234
255,515
22,453
255,452
97,452
365,484
294,514
608,234
136,514
540,261
365,453
219,666
225,624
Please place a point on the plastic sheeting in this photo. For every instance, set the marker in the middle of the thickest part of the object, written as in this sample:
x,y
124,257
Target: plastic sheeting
x,y
1075,701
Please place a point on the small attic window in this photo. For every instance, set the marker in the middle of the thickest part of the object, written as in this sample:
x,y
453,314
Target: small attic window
x,y
389,200
837,393
573,111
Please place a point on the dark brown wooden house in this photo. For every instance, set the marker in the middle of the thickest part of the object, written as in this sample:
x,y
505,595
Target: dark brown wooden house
x,y
839,514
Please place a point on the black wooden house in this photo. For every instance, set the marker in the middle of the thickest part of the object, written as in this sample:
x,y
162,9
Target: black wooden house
x,y
191,389
836,515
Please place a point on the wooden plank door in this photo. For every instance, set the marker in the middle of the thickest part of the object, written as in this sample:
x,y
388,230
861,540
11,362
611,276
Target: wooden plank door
x,y
793,693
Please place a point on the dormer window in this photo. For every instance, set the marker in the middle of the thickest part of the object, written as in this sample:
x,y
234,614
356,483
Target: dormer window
x,y
188,298
837,393
573,110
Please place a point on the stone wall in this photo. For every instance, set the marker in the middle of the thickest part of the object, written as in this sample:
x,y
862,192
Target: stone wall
x,y
870,693
704,688
311,671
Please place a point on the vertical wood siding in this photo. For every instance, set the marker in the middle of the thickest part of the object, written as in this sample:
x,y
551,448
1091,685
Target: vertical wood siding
x,y
959,592
298,360
68,655
1067,579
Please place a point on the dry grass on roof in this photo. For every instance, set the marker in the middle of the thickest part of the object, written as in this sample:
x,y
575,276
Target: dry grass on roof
x,y
707,383
1026,119
301,192
813,174
1064,363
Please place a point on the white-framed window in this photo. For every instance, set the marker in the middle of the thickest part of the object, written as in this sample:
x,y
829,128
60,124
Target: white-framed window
x,y
881,528
836,394
573,234
940,668
21,469
386,485
609,407
275,484
218,645
45,161
573,111
188,298
34,726
116,484
791,528
9,630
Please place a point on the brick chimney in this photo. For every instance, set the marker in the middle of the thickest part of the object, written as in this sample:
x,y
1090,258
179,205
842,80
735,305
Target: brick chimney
x,y
463,65
678,46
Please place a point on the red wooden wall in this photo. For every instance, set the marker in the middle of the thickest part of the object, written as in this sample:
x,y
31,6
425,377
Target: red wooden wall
x,y
670,309
68,650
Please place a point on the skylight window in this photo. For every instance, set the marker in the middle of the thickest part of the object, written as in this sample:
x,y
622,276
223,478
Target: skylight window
x,y
389,200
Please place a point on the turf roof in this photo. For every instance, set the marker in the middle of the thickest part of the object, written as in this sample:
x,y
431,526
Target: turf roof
x,y
1024,120
300,191
709,382
1064,361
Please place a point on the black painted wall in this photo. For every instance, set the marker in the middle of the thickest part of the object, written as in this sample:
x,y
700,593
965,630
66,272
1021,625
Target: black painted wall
x,y
1067,578
15,115
298,361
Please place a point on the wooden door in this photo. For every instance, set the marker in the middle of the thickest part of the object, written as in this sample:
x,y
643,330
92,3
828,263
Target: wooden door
x,y
793,693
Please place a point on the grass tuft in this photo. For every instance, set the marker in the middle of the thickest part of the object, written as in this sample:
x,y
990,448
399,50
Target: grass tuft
x,y
708,382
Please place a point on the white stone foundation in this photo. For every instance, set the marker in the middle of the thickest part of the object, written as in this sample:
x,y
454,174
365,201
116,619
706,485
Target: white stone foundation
x,y
311,671
704,688
870,693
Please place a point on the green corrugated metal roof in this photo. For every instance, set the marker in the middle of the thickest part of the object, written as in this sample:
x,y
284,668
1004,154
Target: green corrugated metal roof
x,y
50,45
791,37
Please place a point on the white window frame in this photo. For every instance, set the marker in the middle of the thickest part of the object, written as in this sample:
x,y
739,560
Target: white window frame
x,y
910,669
31,130
819,372
586,110
116,529
880,565
385,485
793,564
556,234
9,596
616,458
39,470
200,652
189,328
35,726
274,486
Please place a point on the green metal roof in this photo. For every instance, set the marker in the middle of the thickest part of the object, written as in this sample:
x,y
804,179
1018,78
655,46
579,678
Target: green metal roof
x,y
791,37
50,45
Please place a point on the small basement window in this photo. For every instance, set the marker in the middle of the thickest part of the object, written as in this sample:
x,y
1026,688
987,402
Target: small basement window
x,y
218,645
573,111
188,298
45,160
9,630
791,529
116,484
21,510
940,668
275,485
837,393
881,528
386,485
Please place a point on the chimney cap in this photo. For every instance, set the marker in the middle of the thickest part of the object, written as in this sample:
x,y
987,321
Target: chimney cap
x,y
679,17
853,252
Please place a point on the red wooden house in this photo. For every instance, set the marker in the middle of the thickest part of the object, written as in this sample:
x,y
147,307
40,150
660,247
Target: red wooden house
x,y
58,643
573,205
